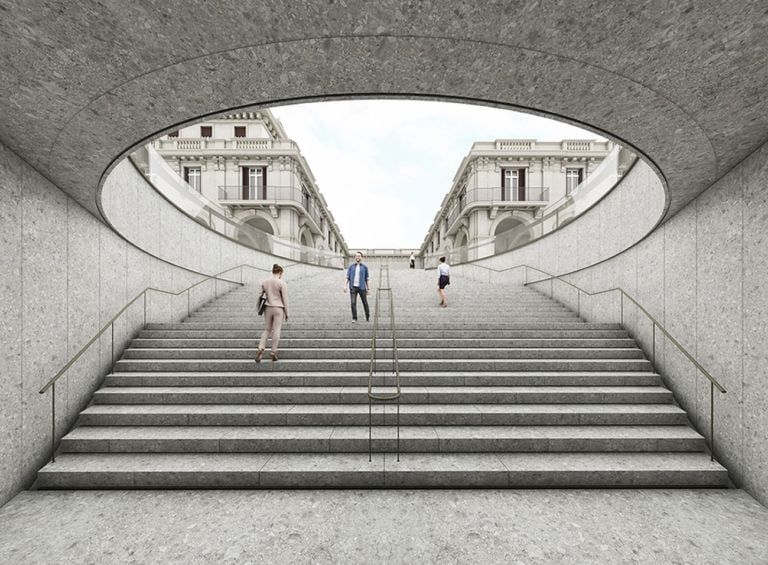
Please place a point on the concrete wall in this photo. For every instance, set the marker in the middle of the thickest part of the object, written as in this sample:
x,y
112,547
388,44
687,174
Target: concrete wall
x,y
65,274
702,274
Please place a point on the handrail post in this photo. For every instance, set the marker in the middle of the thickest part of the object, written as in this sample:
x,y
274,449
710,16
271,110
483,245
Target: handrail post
x,y
711,421
653,348
53,423
188,298
578,302
145,307
622,307
113,343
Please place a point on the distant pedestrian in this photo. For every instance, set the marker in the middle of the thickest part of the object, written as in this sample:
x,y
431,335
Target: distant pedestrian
x,y
357,283
412,261
276,311
443,280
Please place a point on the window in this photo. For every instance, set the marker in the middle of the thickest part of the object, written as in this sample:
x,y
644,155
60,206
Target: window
x,y
305,199
174,134
513,184
329,238
192,177
206,131
254,183
462,199
438,239
239,131
573,178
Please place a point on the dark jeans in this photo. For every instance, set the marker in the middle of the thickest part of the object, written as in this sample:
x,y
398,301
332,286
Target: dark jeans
x,y
354,291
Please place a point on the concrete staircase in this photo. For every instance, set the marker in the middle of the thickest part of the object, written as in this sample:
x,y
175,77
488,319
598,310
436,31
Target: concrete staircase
x,y
504,388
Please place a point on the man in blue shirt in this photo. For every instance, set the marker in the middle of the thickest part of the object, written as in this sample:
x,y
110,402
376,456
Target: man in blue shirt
x,y
357,282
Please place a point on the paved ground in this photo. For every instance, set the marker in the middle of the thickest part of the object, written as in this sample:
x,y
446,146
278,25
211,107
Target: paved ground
x,y
441,526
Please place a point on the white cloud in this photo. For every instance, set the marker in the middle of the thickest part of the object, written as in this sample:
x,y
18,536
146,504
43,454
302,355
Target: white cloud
x,y
384,166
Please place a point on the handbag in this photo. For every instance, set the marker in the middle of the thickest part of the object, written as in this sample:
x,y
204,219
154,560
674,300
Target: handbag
x,y
262,304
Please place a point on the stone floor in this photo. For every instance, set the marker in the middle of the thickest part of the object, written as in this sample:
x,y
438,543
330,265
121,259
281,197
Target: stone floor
x,y
438,526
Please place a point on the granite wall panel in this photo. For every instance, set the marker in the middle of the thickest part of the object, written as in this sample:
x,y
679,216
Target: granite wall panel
x,y
719,309
83,280
680,309
755,325
10,330
112,296
44,311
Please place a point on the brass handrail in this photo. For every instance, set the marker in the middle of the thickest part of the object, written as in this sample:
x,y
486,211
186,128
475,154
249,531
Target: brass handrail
x,y
51,384
395,360
713,382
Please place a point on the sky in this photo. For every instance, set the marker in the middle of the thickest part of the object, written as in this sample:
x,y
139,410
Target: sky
x,y
384,166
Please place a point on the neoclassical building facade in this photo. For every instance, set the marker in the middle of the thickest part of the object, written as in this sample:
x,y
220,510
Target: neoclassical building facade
x,y
504,185
245,164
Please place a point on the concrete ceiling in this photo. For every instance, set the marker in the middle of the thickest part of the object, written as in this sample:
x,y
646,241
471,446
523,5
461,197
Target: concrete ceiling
x,y
684,82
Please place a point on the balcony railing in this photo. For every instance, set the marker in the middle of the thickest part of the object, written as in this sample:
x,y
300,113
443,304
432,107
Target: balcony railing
x,y
270,194
167,182
223,144
537,196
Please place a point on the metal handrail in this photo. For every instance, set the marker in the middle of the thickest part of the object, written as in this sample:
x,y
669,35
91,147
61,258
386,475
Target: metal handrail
x,y
713,382
395,360
51,384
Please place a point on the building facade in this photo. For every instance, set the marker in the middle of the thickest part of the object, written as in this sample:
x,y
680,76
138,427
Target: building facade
x,y
245,164
504,185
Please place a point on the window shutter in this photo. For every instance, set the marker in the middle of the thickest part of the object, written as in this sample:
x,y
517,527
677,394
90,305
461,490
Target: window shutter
x,y
503,187
186,175
581,176
244,187
264,183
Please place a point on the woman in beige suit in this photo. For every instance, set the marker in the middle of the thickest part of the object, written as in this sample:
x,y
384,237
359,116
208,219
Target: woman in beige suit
x,y
275,313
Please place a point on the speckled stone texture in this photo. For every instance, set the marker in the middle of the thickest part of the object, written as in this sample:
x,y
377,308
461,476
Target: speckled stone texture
x,y
76,95
703,274
643,527
64,276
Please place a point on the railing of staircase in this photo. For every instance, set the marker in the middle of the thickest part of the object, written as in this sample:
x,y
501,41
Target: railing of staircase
x,y
51,384
655,325
395,396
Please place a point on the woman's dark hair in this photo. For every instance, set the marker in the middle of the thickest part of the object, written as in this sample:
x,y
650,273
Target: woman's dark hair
x,y
442,259
276,269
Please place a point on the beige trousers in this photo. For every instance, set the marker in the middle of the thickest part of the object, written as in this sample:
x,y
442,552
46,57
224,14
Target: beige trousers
x,y
273,315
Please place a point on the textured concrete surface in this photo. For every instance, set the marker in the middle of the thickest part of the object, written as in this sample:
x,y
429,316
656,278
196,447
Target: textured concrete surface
x,y
708,285
64,275
696,527
74,100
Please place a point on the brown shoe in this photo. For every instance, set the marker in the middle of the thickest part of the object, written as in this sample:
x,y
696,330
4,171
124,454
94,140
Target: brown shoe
x,y
273,355
259,354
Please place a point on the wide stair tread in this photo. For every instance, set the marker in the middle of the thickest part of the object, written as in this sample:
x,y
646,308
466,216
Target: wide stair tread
x,y
517,391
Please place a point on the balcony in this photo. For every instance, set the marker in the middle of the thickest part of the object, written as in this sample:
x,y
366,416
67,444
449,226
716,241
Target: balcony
x,y
530,198
239,196
221,146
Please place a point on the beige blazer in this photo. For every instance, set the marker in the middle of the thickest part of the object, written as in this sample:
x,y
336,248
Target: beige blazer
x,y
277,293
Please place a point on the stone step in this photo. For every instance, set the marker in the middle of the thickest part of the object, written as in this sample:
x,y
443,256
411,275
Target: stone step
x,y
358,395
352,332
413,470
355,439
404,343
401,325
486,378
406,365
404,353
384,414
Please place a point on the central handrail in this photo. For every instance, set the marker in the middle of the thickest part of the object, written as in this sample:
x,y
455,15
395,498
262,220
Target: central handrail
x,y
395,360
51,384
713,382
